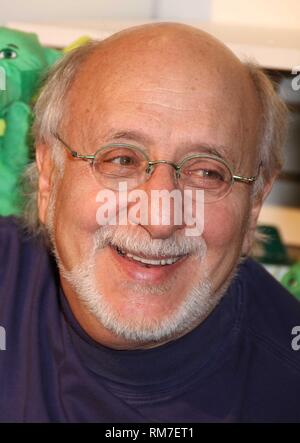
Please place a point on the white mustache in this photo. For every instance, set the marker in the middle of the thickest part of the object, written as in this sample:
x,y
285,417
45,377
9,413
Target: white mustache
x,y
137,242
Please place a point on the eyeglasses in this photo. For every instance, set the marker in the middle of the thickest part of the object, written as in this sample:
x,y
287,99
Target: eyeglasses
x,y
122,162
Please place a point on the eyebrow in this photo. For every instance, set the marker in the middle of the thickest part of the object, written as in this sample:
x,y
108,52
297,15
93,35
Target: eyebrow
x,y
11,45
145,140
135,136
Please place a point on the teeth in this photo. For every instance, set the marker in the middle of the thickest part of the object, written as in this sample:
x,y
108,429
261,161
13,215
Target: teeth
x,y
167,261
162,262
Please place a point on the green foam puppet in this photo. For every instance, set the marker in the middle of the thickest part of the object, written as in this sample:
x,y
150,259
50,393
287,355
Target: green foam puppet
x,y
291,280
23,60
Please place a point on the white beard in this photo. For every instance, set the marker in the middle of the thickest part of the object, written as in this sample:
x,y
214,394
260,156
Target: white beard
x,y
193,309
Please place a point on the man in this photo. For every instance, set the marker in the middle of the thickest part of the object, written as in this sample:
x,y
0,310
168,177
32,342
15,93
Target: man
x,y
139,321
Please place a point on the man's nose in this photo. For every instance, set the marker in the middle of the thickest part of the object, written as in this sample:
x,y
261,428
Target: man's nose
x,y
165,206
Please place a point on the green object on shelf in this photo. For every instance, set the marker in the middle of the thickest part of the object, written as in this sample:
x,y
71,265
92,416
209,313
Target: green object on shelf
x,y
23,60
272,249
291,280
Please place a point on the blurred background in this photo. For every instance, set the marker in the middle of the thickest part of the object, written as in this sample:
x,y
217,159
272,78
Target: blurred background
x,y
267,31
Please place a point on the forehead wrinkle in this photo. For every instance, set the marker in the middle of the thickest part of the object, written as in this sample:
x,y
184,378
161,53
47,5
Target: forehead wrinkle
x,y
175,107
186,98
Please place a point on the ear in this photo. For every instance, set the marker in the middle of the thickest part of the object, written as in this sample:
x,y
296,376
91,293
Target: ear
x,y
257,203
45,168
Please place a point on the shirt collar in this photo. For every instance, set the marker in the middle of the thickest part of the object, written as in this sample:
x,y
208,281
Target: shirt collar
x,y
176,360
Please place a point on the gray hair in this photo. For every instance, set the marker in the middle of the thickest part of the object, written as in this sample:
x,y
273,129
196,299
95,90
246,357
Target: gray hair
x,y
50,108
48,111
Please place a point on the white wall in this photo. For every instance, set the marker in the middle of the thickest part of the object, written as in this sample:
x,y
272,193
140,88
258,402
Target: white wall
x,y
276,13
194,10
55,10
267,13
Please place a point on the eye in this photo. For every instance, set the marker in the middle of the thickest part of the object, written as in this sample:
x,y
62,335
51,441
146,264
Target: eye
x,y
8,53
205,170
124,160
116,161
208,174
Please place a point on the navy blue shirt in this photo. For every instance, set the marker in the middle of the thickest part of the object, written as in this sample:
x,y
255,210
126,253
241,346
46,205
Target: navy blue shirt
x,y
238,366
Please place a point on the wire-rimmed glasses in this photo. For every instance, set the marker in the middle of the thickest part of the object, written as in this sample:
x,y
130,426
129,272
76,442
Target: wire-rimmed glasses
x,y
121,162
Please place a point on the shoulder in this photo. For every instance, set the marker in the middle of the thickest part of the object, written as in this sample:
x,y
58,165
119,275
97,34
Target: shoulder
x,y
23,257
12,237
271,313
8,223
9,237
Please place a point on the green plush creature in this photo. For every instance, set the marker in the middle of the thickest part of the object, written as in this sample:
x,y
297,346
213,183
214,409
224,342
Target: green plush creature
x,y
23,60
291,280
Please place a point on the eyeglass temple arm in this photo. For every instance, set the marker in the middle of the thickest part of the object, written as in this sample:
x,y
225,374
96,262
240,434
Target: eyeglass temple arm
x,y
74,154
239,178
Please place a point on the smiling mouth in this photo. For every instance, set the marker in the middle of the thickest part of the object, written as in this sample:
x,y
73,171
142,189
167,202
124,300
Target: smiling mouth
x,y
148,261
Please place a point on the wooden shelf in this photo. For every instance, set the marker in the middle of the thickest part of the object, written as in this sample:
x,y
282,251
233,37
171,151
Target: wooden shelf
x,y
286,219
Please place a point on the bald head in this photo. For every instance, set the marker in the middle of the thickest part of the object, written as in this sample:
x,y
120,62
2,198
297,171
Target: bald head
x,y
166,65
175,50
176,41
